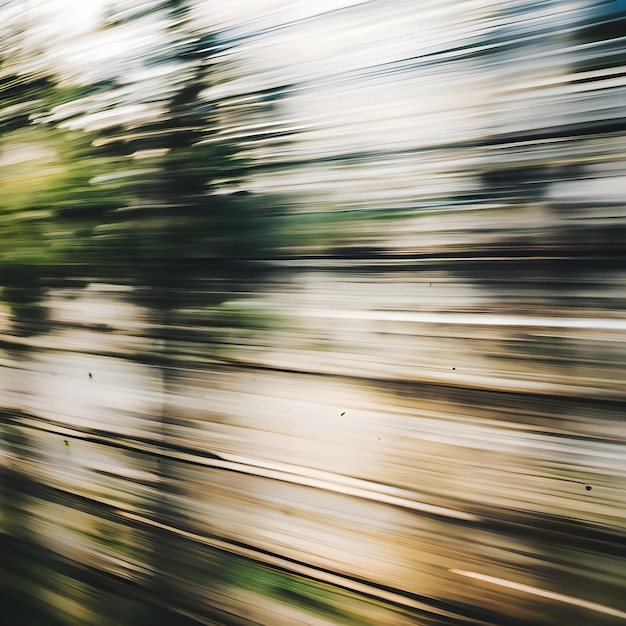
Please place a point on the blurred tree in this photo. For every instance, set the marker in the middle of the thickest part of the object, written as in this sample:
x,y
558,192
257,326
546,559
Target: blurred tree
x,y
187,238
29,257
45,177
132,180
21,94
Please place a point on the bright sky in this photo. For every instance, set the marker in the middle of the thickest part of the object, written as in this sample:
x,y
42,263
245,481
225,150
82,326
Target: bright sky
x,y
343,62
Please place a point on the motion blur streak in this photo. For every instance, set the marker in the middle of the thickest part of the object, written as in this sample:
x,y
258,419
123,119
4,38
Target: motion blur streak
x,y
312,312
540,592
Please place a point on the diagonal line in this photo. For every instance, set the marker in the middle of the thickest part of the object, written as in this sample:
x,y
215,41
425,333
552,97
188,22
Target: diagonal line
x,y
592,606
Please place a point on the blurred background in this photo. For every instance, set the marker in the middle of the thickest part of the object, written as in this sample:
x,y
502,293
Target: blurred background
x,y
312,312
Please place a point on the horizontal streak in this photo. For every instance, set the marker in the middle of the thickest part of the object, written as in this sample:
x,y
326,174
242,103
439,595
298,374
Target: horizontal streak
x,y
283,472
592,606
471,320
397,597
369,491
300,569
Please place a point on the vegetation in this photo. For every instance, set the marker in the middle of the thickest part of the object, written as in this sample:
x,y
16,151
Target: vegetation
x,y
150,200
